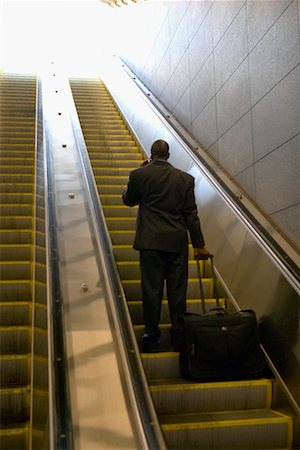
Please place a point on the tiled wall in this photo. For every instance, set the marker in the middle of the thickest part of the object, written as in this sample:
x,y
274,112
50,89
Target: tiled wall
x,y
229,71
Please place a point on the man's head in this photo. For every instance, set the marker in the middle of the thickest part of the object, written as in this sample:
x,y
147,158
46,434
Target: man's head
x,y
160,150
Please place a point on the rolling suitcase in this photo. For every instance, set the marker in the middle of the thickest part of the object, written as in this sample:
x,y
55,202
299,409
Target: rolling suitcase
x,y
218,345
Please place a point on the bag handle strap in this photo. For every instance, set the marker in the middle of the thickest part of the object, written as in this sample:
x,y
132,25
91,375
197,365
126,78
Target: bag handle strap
x,y
201,285
213,275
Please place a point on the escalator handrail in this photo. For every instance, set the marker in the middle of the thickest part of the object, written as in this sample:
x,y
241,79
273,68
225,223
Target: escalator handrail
x,y
287,265
151,428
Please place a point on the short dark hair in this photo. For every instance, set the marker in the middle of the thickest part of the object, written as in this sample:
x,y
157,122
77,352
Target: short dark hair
x,y
160,148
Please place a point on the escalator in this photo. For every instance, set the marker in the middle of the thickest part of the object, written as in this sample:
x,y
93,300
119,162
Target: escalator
x,y
222,415
22,268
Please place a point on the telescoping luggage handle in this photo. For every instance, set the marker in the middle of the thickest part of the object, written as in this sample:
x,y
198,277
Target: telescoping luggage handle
x,y
213,274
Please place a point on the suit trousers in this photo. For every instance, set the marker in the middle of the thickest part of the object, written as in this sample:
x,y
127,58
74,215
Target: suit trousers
x,y
158,267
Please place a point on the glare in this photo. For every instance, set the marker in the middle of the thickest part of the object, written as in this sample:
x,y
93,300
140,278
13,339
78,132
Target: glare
x,y
76,35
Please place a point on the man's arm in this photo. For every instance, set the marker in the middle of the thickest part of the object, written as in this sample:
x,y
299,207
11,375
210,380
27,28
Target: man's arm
x,y
193,224
131,195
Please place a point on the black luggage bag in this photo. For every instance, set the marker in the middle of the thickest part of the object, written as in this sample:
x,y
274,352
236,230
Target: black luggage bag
x,y
219,345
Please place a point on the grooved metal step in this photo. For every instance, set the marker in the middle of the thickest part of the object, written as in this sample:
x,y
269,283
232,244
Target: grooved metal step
x,y
243,430
225,415
176,397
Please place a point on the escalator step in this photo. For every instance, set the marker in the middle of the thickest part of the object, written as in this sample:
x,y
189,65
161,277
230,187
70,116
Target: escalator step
x,y
259,429
193,306
15,340
180,396
14,436
15,290
15,270
15,237
132,288
15,252
15,404
15,223
16,198
12,188
15,370
15,313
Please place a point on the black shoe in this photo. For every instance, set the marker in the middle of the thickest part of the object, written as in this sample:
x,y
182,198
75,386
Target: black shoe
x,y
150,344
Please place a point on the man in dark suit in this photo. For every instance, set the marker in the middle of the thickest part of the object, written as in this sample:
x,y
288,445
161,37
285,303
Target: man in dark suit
x,y
167,210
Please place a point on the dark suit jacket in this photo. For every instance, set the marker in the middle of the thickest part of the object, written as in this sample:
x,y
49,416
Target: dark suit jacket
x,y
167,208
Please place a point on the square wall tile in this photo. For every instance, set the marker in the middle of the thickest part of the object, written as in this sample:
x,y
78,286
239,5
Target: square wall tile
x,y
289,221
277,178
275,55
179,44
235,146
261,15
176,13
223,13
204,127
179,82
246,180
233,100
195,14
276,118
201,46
231,50
182,110
203,88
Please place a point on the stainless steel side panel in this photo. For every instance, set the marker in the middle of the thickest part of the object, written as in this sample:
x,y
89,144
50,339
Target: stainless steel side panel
x,y
249,270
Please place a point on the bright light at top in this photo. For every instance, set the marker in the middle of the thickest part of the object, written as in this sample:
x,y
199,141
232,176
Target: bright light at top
x,y
76,35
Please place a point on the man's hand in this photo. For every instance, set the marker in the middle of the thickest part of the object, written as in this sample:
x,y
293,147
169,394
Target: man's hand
x,y
202,253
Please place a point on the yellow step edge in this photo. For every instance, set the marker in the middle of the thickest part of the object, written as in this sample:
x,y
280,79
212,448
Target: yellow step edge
x,y
16,245
162,326
184,386
15,390
20,194
230,423
159,355
13,263
13,184
4,282
24,303
190,301
17,303
15,431
119,161
111,196
116,154
27,328
107,177
24,356
122,232
125,263
17,158
17,204
120,246
118,207
111,186
121,218
106,169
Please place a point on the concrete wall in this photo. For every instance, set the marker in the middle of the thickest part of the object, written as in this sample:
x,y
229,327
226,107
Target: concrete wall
x,y
229,71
